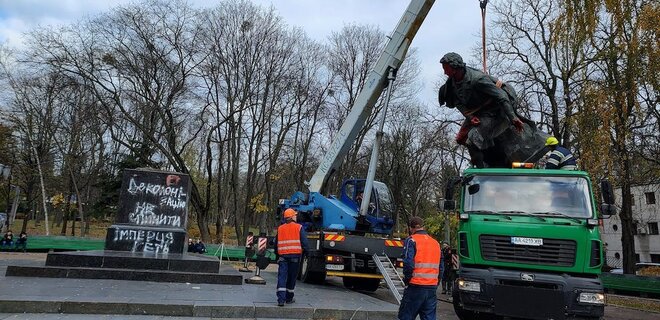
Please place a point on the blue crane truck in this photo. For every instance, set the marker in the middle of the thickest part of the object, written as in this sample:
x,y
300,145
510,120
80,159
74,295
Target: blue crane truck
x,y
346,230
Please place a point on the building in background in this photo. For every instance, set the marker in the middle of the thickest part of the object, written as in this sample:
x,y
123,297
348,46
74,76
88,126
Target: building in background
x,y
646,216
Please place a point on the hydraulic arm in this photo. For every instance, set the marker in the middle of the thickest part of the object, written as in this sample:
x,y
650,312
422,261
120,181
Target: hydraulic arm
x,y
391,58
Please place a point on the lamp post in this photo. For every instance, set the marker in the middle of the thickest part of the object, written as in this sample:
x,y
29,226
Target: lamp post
x,y
5,171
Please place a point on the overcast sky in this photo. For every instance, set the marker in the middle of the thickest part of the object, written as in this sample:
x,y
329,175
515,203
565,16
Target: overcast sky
x,y
451,25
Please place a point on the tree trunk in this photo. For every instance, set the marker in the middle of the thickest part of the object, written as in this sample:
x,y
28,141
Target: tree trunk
x,y
71,212
65,216
627,223
219,229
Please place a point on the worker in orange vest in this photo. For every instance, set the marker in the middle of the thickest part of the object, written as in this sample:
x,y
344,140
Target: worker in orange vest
x,y
291,244
421,268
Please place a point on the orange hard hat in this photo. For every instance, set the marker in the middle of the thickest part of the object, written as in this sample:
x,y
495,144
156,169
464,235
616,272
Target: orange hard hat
x,y
289,213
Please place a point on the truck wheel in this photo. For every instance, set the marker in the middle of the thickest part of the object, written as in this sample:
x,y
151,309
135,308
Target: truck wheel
x,y
349,282
366,284
309,276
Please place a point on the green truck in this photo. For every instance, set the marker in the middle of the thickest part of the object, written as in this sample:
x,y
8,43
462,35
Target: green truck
x,y
528,244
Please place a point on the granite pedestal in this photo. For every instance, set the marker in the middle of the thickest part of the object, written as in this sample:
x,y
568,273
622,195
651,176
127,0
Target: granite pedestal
x,y
147,241
118,265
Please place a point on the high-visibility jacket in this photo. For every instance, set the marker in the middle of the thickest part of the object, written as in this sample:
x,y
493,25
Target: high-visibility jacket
x,y
561,158
288,239
427,260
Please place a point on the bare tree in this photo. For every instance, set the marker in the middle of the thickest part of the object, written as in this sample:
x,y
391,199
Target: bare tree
x,y
352,53
414,154
137,61
32,113
533,50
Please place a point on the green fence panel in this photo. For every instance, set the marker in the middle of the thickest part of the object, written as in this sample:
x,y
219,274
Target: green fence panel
x,y
63,243
632,283
66,243
233,252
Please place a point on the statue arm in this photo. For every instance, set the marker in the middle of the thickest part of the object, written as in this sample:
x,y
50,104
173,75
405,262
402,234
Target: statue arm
x,y
444,95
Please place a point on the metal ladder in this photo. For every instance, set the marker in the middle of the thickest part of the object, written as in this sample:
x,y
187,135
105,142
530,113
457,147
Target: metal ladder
x,y
391,276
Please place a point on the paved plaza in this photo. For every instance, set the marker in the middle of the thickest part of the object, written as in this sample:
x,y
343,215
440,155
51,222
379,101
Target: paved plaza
x,y
120,297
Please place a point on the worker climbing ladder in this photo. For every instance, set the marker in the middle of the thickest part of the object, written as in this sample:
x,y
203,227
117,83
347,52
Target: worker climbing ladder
x,y
391,276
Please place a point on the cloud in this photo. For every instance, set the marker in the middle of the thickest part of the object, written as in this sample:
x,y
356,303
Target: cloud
x,y
450,25
17,17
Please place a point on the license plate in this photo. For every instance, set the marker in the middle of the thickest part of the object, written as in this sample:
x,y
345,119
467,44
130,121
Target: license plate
x,y
337,267
527,241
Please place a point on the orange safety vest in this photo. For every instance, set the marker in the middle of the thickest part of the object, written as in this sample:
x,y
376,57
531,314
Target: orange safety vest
x,y
427,260
288,239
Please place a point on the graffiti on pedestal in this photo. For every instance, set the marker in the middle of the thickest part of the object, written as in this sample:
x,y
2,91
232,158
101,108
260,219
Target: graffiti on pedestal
x,y
153,211
154,198
146,240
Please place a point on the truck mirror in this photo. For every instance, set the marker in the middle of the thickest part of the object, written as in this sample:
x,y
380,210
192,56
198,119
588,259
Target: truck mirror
x,y
449,205
606,191
473,188
607,209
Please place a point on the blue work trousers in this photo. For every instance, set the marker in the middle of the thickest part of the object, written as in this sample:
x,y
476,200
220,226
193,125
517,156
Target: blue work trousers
x,y
7,244
418,300
286,277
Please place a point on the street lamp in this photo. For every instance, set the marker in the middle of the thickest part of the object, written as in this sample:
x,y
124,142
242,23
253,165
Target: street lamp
x,y
5,172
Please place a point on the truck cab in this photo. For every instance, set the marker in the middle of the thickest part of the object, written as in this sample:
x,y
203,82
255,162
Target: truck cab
x,y
380,217
529,245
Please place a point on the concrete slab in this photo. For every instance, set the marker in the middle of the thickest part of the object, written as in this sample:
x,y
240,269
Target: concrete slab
x,y
164,299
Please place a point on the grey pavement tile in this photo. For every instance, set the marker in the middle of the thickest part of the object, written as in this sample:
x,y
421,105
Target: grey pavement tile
x,y
125,317
30,306
96,299
16,297
77,307
340,314
225,303
33,316
118,297
58,316
263,310
161,309
225,311
193,295
381,315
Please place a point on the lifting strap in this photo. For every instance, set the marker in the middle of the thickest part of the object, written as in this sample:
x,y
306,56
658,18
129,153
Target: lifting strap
x,y
482,5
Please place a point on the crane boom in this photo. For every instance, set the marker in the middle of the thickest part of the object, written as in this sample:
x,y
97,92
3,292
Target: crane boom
x,y
391,58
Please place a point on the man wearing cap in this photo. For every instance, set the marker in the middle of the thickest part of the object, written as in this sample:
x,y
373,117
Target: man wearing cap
x,y
446,267
560,157
290,244
484,101
421,270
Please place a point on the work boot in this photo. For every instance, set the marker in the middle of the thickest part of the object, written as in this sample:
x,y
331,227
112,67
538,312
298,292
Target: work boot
x,y
291,301
280,304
